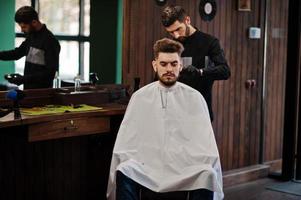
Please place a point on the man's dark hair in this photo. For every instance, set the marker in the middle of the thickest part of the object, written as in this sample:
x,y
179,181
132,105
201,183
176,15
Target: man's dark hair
x,y
26,15
166,45
171,14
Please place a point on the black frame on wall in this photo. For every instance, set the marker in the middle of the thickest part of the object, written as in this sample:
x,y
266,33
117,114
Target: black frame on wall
x,y
80,38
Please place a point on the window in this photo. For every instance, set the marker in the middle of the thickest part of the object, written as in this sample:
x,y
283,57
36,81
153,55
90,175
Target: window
x,y
69,21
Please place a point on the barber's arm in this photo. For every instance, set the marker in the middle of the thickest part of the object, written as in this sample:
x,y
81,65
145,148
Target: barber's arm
x,y
218,69
15,54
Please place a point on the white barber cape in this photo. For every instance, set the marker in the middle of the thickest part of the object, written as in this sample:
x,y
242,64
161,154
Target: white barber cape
x,y
166,143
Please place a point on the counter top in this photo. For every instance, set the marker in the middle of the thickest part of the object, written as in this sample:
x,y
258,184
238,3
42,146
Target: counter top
x,y
108,110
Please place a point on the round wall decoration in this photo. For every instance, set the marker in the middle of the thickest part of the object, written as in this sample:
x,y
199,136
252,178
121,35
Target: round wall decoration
x,y
207,9
161,2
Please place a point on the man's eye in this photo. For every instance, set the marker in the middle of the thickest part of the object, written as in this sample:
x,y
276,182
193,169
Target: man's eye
x,y
174,64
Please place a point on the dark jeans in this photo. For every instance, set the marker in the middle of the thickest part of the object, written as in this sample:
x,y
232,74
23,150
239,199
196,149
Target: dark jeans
x,y
127,189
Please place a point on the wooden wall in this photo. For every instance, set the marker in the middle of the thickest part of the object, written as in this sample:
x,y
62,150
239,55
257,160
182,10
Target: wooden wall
x,y
238,110
275,78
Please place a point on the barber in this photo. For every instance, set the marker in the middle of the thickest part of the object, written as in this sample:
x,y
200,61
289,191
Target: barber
x,y
199,46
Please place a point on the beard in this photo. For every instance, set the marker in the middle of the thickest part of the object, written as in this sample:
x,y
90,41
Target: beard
x,y
183,38
29,31
167,81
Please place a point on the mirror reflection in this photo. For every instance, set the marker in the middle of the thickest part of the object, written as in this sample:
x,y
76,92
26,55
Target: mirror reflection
x,y
46,45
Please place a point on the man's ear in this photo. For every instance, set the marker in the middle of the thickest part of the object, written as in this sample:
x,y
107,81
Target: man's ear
x,y
154,63
187,20
34,23
181,67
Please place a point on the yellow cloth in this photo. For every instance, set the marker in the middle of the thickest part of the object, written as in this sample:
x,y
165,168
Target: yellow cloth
x,y
57,109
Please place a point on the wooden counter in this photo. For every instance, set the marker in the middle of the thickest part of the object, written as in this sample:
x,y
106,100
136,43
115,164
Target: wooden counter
x,y
46,127
108,110
61,156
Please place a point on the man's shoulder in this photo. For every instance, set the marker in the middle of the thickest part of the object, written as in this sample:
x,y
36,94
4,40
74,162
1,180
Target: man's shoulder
x,y
145,89
206,35
190,92
50,36
187,88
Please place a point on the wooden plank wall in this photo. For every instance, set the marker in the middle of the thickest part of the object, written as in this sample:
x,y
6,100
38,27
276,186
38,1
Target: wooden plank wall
x,y
276,75
237,109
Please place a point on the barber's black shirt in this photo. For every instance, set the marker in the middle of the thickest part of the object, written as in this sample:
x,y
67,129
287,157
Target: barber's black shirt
x,y
42,50
197,46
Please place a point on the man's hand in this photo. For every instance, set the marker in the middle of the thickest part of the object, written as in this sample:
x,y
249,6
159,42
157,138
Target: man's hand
x,y
15,79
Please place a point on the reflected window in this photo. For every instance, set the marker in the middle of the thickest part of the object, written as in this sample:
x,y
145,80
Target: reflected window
x,y
69,21
86,65
19,64
65,21
87,18
68,59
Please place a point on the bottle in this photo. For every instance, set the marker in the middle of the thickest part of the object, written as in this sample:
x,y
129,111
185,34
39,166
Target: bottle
x,y
93,78
56,80
77,83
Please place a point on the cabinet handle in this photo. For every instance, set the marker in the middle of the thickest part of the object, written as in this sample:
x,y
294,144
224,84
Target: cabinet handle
x,y
69,128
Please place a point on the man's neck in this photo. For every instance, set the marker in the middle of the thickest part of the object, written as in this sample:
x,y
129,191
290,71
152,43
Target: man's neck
x,y
39,26
191,30
166,86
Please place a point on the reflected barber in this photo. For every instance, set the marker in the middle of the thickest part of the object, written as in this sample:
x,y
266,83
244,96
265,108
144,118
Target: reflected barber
x,y
41,49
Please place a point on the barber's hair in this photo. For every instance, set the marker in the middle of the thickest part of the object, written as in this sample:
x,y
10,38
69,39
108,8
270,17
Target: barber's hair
x,y
26,15
171,14
166,45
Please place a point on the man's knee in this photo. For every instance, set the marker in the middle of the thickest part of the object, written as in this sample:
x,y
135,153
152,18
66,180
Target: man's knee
x,y
201,194
126,188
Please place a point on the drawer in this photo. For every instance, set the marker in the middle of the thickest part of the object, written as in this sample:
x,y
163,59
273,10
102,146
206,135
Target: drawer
x,y
68,128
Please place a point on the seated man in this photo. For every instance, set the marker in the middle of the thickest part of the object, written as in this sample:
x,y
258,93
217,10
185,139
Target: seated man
x,y
165,142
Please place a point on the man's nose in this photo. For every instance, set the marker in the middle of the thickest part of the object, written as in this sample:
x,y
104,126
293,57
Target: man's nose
x,y
169,67
176,35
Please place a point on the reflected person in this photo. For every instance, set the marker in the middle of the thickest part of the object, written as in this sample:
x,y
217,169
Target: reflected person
x,y
41,49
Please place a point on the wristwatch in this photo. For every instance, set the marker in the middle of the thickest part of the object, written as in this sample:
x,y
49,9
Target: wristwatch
x,y
201,71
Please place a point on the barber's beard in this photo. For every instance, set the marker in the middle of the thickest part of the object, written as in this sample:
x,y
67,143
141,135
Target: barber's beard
x,y
29,32
187,33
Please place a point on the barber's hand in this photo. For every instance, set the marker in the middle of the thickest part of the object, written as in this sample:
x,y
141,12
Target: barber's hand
x,y
193,70
16,79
